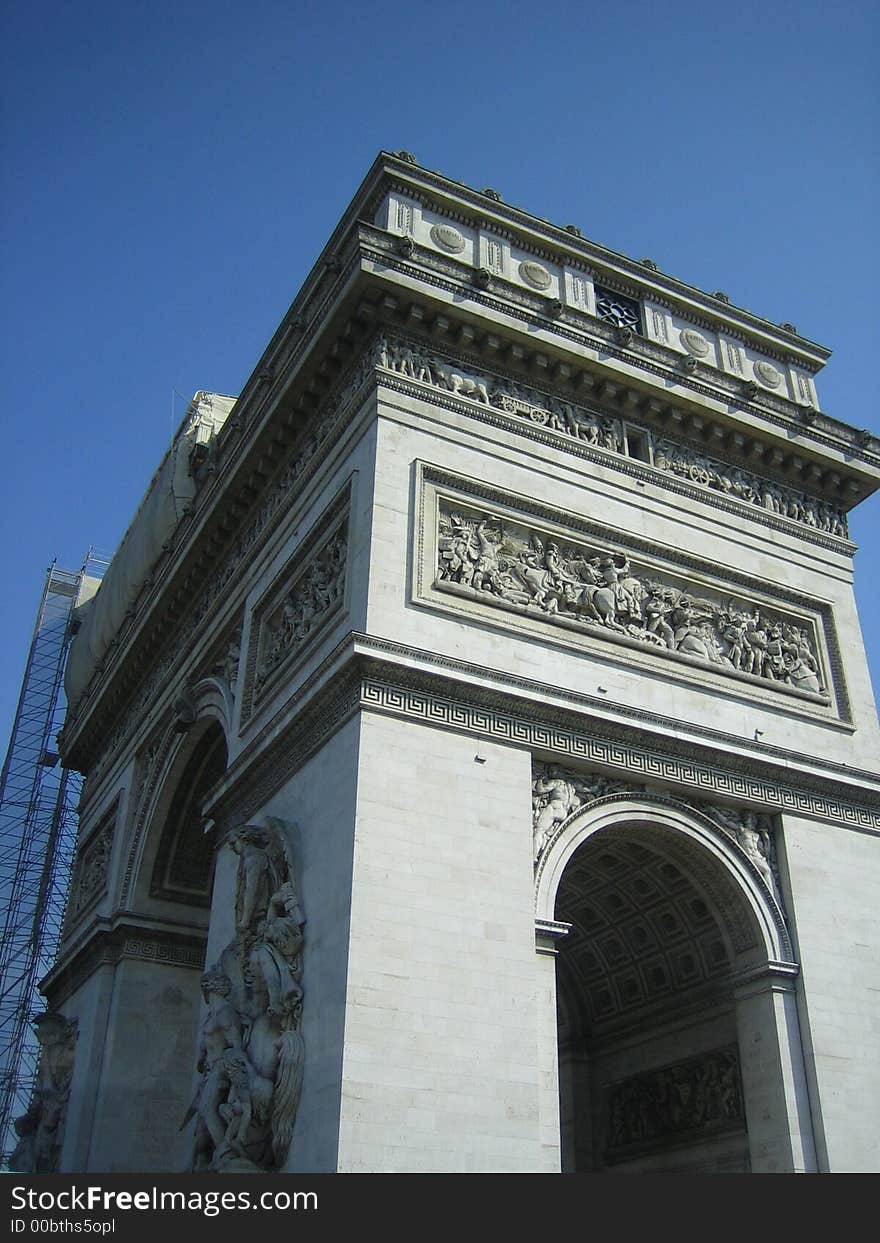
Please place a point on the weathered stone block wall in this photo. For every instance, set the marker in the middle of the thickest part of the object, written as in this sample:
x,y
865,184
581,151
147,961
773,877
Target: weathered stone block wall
x,y
146,1072
835,892
441,1062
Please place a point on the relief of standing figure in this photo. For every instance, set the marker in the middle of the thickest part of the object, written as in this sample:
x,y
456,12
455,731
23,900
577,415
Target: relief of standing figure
x,y
252,1054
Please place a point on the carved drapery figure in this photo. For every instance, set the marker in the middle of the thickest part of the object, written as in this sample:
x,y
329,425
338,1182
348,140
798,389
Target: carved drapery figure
x,y
509,565
557,793
41,1129
752,834
251,1050
227,666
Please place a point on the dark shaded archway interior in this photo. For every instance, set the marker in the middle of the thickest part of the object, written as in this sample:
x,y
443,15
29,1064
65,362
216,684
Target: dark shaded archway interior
x,y
183,868
649,1077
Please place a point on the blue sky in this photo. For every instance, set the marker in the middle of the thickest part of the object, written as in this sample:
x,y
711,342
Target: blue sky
x,y
171,171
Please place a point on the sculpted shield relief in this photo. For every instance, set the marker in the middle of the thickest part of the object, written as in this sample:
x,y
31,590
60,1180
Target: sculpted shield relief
x,y
251,1049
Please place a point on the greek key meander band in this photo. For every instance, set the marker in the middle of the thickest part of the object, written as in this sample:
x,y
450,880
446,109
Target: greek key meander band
x,y
592,750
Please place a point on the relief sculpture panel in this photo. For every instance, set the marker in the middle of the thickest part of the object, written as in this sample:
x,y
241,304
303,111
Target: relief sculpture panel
x,y
559,792
299,606
673,1104
600,590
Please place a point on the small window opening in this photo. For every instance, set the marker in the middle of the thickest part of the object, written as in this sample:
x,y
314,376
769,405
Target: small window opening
x,y
638,444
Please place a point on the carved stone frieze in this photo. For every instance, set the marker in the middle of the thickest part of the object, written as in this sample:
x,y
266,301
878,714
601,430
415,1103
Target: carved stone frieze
x,y
251,1051
670,1104
306,605
40,1130
297,608
517,567
605,432
92,866
690,464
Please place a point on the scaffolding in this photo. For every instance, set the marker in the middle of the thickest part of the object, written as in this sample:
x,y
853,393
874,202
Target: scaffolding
x,y
38,828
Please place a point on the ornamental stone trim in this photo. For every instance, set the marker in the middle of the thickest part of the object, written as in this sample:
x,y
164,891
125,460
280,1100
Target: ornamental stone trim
x,y
593,430
580,250
464,564
152,766
547,731
92,865
561,795
447,238
656,360
108,944
694,342
350,680
767,374
535,274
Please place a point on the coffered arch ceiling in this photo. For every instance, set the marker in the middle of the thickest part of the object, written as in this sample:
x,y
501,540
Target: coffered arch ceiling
x,y
655,925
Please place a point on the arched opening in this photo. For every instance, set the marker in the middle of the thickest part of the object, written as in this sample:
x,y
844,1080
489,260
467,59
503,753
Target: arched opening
x,y
149,1051
183,864
675,1016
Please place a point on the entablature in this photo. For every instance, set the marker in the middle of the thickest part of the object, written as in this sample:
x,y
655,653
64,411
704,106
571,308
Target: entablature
x,y
585,356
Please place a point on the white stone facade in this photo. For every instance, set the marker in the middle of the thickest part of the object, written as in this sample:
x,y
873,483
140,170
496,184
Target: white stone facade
x,y
523,639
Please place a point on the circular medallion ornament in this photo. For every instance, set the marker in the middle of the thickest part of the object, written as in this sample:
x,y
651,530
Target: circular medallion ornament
x,y
694,343
535,274
768,374
447,238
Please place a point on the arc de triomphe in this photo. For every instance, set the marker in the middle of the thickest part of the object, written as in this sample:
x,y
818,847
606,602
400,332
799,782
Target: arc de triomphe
x,y
481,759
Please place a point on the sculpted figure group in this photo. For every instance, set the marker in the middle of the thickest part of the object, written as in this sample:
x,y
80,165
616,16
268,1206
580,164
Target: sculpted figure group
x,y
41,1129
693,1096
558,792
690,464
515,567
312,597
251,1049
605,432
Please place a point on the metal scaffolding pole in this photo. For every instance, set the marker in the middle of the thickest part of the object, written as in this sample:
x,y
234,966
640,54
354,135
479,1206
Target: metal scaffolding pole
x,y
38,828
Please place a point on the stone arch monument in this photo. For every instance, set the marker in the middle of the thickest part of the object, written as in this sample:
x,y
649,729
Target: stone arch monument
x,y
481,762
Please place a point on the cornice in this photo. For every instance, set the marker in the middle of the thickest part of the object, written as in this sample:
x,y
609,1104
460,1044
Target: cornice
x,y
106,942
575,331
370,674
